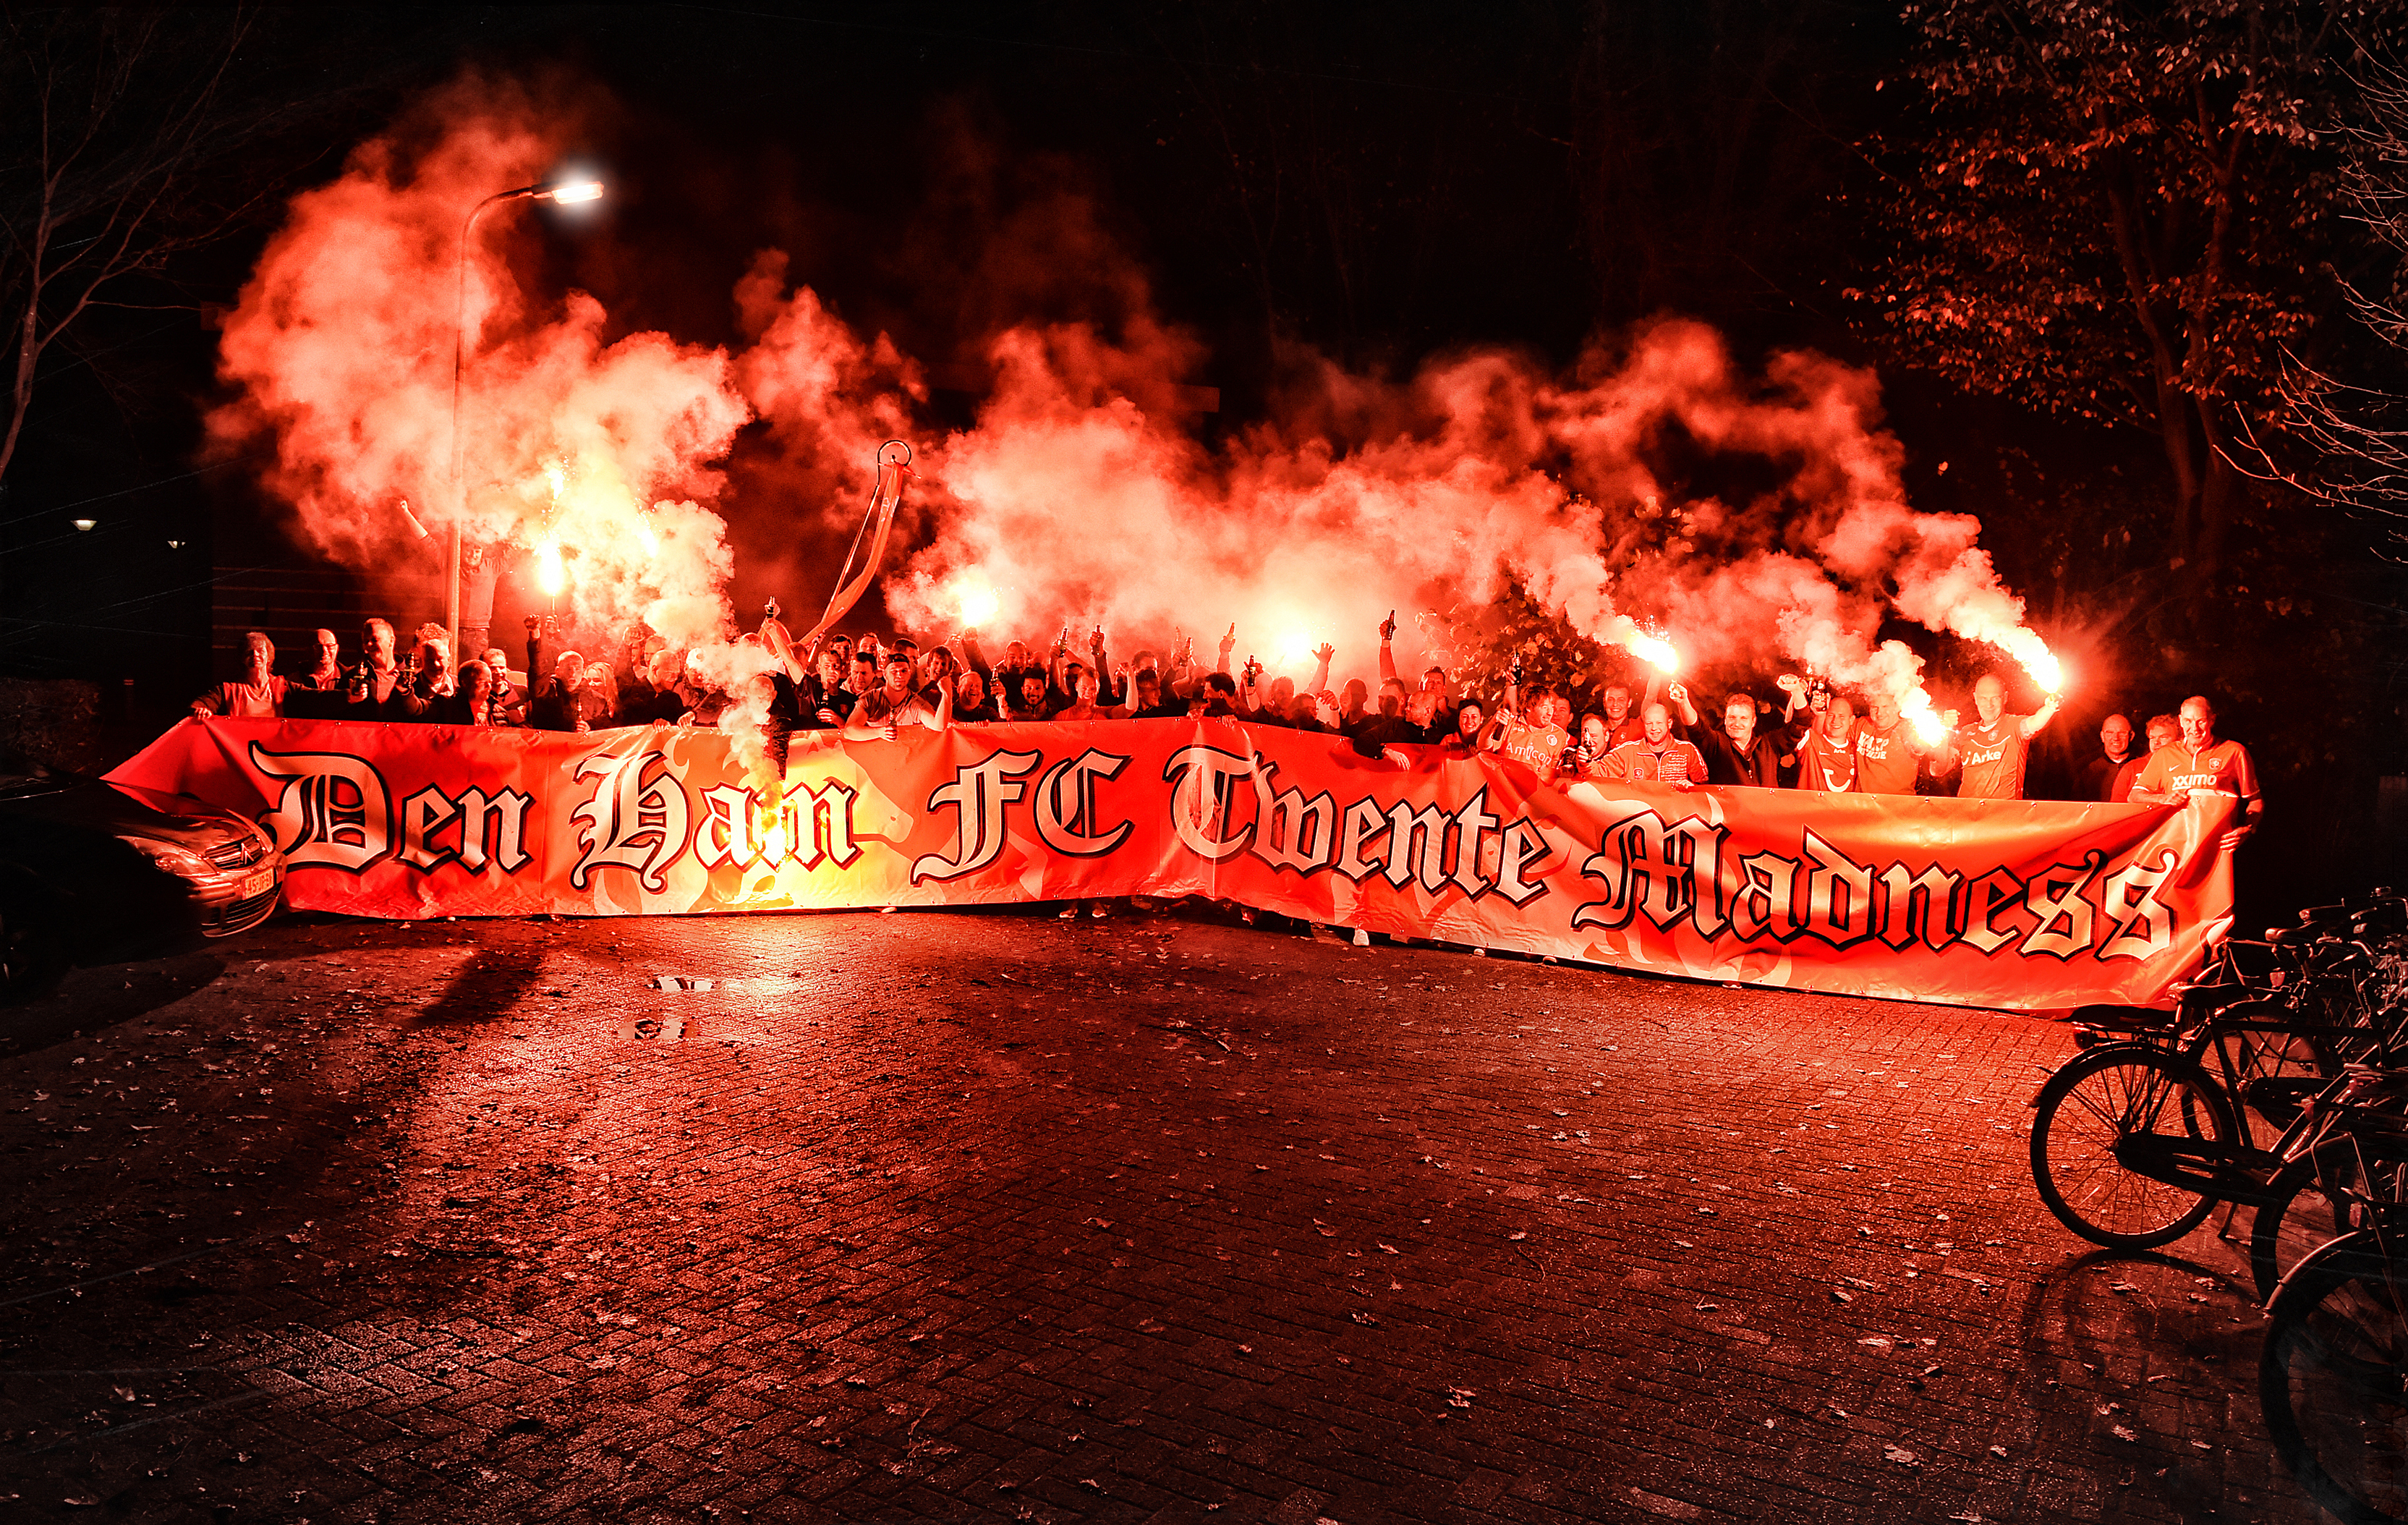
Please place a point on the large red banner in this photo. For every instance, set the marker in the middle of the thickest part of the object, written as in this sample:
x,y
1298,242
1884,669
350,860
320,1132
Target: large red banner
x,y
2010,903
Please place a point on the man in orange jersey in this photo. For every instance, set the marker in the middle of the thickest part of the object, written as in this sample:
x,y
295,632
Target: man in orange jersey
x,y
1826,754
1888,752
1992,753
1538,741
2201,764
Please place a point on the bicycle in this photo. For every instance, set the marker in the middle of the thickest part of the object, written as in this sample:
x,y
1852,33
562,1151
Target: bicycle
x,y
2111,1173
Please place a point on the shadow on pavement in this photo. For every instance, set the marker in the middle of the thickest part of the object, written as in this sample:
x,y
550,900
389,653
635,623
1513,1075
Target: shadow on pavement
x,y
2117,1344
101,996
488,985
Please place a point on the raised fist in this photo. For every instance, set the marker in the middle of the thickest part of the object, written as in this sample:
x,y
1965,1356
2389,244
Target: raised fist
x,y
1948,718
1789,682
1388,626
1680,694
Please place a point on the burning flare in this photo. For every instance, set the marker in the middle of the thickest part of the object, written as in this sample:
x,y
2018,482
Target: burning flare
x,y
549,574
1917,707
1660,653
976,602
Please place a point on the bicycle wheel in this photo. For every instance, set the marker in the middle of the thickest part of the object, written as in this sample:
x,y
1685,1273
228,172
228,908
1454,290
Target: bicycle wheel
x,y
2312,1206
2333,1380
2105,1096
2302,1215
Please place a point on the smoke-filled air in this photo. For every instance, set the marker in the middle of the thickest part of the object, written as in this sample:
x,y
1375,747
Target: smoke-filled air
x,y
1082,495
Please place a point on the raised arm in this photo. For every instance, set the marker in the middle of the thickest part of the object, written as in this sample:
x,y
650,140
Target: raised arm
x,y
1680,695
1795,686
2033,723
1387,653
1228,644
781,646
1322,654
1101,665
975,657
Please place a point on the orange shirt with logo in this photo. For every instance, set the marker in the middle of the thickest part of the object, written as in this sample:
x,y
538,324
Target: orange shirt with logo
x,y
2222,768
1827,765
1538,748
1886,759
1992,757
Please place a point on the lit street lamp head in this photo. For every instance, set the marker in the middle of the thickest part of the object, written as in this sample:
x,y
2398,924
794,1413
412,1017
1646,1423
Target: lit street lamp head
x,y
576,192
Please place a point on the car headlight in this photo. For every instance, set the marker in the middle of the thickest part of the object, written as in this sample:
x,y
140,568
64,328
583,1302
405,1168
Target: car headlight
x,y
176,860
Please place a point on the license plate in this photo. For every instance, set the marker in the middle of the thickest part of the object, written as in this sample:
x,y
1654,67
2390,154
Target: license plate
x,y
257,884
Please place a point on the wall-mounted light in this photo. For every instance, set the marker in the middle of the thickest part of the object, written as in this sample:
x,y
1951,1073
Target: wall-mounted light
x,y
84,524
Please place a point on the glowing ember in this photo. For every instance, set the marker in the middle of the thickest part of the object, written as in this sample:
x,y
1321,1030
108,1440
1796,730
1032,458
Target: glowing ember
x,y
1660,653
976,602
549,574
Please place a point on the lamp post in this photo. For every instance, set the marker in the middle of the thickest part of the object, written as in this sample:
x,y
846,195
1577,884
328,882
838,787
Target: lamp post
x,y
563,193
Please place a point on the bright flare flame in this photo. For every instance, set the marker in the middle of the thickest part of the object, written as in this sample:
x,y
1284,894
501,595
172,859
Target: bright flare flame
x,y
558,476
1660,653
2046,670
1296,649
582,191
549,574
978,604
1917,709
645,532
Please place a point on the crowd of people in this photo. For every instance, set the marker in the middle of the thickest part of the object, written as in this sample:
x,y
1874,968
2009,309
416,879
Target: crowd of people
x,y
868,688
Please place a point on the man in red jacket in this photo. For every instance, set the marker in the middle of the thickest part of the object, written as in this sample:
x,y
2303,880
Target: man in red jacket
x,y
1656,757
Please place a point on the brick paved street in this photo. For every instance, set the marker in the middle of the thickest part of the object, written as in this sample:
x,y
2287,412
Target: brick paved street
x,y
945,1217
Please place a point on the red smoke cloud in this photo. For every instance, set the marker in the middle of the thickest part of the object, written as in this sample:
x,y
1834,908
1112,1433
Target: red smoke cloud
x,y
1080,493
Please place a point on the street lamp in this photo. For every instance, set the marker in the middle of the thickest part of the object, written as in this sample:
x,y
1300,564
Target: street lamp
x,y
561,193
